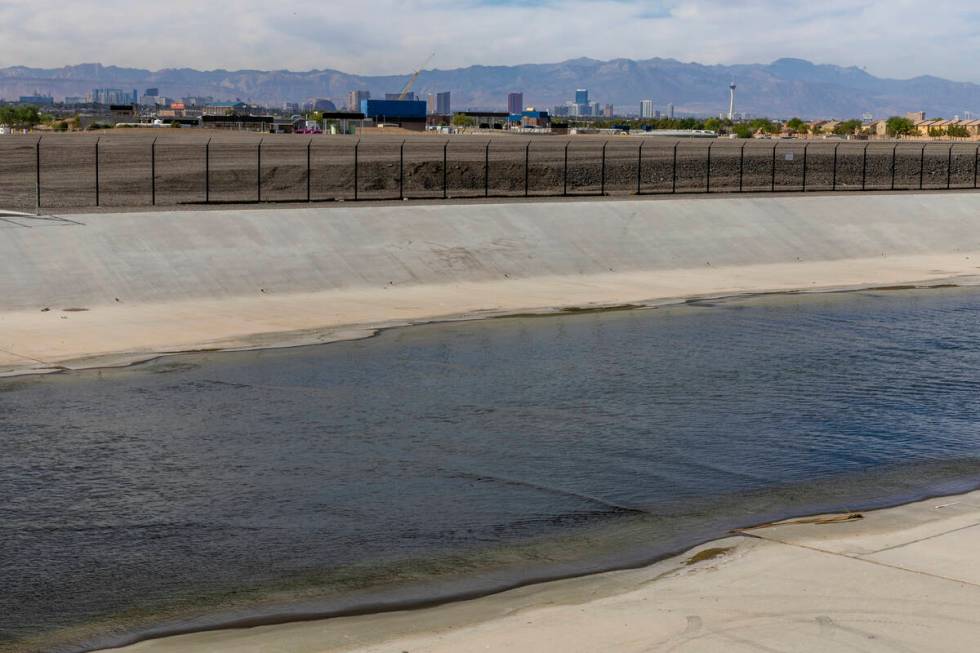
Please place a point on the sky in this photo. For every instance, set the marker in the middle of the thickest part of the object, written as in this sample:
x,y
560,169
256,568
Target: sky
x,y
893,38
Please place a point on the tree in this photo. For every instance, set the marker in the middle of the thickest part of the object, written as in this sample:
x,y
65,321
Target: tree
x,y
897,126
796,125
462,120
765,125
848,127
742,131
22,117
712,124
957,131
936,132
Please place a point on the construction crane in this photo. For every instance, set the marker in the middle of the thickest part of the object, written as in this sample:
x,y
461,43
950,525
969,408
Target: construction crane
x,y
411,80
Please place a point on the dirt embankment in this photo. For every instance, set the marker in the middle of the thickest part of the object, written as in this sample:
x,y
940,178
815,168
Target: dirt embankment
x,y
181,169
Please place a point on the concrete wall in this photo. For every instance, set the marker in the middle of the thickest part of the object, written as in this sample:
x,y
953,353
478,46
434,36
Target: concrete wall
x,y
151,257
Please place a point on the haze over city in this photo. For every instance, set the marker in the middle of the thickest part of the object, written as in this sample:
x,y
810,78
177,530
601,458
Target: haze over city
x,y
896,39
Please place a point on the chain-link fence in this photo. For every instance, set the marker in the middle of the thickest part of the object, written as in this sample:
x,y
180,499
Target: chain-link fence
x,y
51,173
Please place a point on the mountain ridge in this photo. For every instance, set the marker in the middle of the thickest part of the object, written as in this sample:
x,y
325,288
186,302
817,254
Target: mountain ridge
x,y
785,87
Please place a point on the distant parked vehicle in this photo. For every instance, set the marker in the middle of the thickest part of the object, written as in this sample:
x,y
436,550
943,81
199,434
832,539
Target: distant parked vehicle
x,y
309,130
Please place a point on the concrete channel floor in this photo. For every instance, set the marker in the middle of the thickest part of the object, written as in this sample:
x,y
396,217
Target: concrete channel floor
x,y
899,579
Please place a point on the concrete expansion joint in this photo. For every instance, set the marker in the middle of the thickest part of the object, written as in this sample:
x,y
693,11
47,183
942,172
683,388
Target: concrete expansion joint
x,y
27,358
928,537
878,563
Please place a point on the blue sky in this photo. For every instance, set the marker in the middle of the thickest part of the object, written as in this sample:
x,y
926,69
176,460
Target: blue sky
x,y
897,38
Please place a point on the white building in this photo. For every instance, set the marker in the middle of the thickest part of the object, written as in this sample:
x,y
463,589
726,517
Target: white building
x,y
646,109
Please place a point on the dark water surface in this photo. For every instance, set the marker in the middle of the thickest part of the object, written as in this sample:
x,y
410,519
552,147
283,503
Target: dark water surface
x,y
457,458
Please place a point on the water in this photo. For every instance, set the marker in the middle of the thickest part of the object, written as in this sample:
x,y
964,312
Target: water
x,y
451,459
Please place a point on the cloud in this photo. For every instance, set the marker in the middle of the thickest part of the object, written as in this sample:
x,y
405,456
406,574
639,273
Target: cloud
x,y
894,38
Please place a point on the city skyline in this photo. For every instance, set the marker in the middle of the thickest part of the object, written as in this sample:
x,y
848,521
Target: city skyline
x,y
785,88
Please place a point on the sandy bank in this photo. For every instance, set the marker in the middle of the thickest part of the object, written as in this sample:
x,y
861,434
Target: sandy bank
x,y
106,289
902,578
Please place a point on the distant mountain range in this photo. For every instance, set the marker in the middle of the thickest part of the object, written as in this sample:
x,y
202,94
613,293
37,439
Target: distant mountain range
x,y
784,88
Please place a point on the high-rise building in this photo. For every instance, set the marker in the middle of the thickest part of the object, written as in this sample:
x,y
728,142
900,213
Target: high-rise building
x,y
438,104
515,103
608,111
670,111
354,99
646,109
582,96
152,92
112,96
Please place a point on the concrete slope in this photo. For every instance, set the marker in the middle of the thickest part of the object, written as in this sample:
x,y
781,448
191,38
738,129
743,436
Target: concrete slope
x,y
154,257
106,289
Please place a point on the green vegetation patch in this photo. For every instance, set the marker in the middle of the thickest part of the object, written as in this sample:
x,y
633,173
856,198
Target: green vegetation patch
x,y
708,554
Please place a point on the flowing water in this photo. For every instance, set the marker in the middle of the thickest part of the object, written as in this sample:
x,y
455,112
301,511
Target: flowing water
x,y
453,459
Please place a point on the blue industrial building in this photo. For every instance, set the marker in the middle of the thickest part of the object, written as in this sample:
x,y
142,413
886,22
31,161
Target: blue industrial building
x,y
394,110
530,118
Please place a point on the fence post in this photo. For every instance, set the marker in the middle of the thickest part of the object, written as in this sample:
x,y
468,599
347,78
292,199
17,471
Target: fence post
x,y
741,164
527,167
207,172
357,145
772,183
894,152
949,167
805,146
401,171
486,171
445,170
639,168
707,177
309,170
864,166
153,173
833,185
602,176
564,188
673,179
922,164
97,170
258,172
976,160
37,175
